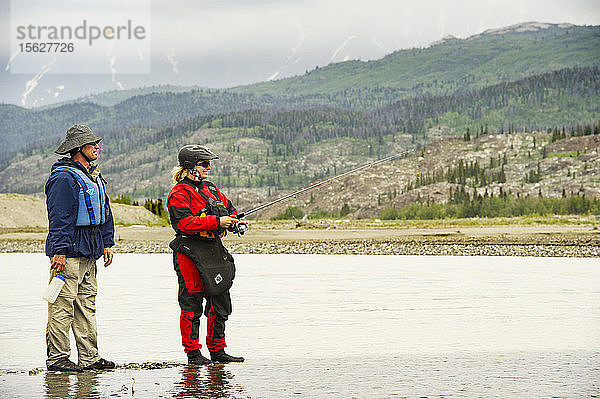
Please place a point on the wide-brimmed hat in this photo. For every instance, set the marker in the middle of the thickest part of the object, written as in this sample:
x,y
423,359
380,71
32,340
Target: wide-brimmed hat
x,y
77,136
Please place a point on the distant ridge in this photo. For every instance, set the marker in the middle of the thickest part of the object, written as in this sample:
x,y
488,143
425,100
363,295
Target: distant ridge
x,y
524,27
453,65
113,97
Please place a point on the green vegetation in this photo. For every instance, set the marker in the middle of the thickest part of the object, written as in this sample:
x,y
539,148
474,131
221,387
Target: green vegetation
x,y
291,212
464,206
156,207
534,176
564,154
466,172
318,213
124,199
389,213
295,212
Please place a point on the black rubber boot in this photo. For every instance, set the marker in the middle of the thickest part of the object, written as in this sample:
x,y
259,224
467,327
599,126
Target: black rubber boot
x,y
222,357
196,358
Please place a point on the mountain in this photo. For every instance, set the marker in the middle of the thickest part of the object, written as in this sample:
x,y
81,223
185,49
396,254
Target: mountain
x,y
453,65
280,135
269,150
446,68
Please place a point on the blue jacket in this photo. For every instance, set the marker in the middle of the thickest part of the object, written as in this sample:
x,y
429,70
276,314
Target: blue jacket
x,y
62,201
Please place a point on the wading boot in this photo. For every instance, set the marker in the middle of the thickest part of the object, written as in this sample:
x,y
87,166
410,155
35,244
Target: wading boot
x,y
101,364
64,364
222,357
196,358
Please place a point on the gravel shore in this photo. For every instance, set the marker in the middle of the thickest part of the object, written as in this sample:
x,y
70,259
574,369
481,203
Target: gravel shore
x,y
555,245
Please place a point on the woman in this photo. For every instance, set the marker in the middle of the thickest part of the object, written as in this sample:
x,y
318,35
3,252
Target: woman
x,y
200,215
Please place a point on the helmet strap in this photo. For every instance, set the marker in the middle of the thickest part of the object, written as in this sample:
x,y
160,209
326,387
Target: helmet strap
x,y
195,173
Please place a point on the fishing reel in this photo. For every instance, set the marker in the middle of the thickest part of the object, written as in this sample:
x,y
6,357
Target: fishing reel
x,y
240,229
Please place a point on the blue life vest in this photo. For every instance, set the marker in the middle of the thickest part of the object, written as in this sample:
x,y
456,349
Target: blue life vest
x,y
92,197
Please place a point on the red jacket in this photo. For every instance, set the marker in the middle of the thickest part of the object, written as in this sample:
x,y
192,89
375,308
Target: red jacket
x,y
188,209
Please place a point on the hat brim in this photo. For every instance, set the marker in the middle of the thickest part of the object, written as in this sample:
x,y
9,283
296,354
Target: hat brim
x,y
69,145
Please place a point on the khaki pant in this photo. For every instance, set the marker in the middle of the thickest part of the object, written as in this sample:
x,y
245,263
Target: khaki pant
x,y
75,308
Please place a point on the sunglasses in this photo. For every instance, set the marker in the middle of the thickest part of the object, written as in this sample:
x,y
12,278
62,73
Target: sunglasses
x,y
204,164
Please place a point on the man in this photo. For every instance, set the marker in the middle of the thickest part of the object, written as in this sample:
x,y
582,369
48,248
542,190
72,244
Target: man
x,y
200,215
80,231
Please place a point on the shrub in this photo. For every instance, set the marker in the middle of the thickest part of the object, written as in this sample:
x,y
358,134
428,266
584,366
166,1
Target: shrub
x,y
345,209
290,212
122,199
319,213
389,213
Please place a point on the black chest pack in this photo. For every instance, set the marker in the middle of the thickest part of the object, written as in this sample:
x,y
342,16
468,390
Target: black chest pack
x,y
214,262
214,206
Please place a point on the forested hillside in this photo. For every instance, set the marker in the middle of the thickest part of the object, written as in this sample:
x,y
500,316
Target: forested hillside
x,y
23,128
264,151
551,172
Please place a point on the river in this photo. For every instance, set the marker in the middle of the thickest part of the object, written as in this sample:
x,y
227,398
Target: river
x,y
321,326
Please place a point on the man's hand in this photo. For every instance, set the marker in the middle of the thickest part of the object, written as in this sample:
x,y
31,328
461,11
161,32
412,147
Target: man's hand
x,y
59,262
108,256
227,221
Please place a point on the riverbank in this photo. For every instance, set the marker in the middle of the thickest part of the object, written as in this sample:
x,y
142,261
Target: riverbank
x,y
490,240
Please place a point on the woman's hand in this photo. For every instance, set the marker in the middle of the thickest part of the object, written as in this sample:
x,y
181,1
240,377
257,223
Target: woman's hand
x,y
227,221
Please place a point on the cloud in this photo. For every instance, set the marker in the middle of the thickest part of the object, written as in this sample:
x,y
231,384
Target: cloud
x,y
112,62
340,48
375,42
59,89
12,57
171,58
32,84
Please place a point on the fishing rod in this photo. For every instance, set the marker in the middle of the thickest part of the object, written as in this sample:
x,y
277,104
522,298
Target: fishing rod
x,y
258,208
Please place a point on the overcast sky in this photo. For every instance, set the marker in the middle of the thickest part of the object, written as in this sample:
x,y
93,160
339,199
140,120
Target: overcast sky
x,y
395,24
226,43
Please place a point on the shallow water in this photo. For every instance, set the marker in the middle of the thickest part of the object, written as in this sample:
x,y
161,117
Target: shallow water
x,y
328,327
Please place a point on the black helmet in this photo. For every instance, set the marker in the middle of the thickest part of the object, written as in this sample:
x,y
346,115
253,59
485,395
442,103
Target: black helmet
x,y
191,154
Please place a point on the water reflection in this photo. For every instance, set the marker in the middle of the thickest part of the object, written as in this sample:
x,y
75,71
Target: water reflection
x,y
214,381
71,385
206,382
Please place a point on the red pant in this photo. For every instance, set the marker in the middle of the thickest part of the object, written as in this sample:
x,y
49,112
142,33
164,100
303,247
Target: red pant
x,y
190,299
